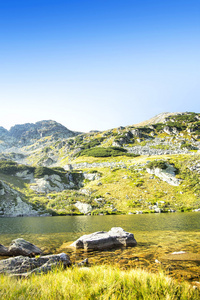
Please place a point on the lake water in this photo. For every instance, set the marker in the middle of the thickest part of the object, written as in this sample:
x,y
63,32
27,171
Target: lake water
x,y
157,235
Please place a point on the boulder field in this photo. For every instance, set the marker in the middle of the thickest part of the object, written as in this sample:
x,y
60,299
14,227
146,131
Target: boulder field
x,y
26,262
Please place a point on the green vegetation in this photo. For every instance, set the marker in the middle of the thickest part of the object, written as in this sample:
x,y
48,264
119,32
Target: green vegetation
x,y
124,188
104,152
159,126
145,129
177,125
182,121
92,143
99,282
10,167
188,117
163,147
187,146
157,164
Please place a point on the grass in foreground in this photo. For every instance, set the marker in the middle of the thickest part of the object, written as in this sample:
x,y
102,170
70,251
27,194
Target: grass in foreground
x,y
99,282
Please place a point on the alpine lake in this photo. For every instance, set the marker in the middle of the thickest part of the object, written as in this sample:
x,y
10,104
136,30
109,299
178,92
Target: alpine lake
x,y
157,235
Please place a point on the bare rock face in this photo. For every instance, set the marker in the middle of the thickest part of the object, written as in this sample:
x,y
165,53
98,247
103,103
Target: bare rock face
x,y
22,247
39,129
102,240
167,175
25,266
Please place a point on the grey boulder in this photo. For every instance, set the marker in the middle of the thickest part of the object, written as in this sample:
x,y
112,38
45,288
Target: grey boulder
x,y
24,266
3,250
22,247
103,240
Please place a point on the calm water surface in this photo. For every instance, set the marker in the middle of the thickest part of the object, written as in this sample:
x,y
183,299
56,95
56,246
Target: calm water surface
x,y
157,235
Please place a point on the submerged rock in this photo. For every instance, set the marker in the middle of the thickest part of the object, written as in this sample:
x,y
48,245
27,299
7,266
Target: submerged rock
x,y
24,266
102,240
182,256
22,247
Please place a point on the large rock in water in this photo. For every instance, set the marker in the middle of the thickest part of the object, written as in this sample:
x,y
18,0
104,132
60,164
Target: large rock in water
x,y
3,250
22,247
24,266
102,240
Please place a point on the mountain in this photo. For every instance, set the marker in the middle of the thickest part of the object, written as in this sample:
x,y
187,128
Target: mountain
x,y
29,132
160,118
153,166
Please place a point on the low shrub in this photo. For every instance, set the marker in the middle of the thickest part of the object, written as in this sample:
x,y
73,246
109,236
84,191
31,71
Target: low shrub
x,y
187,146
93,143
157,164
10,167
42,171
159,126
102,152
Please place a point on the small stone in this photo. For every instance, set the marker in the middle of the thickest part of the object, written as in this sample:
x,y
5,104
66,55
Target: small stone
x,y
157,261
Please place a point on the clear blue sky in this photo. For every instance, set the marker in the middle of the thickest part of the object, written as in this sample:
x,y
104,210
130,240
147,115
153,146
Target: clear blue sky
x,y
98,64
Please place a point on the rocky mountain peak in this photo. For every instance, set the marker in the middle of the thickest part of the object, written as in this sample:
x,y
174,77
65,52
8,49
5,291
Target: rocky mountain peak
x,y
18,130
40,129
160,118
3,133
26,134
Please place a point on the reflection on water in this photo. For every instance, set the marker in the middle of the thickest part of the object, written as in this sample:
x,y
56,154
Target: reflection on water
x,y
156,234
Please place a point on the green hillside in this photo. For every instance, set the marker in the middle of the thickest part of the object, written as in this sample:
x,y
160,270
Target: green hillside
x,y
146,169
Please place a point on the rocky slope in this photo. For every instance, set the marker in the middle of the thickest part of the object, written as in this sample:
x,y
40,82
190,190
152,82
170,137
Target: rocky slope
x,y
47,169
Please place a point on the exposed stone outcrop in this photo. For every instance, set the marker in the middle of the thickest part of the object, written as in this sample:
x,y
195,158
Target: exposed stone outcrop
x,y
12,204
136,132
167,175
25,266
91,176
103,240
54,183
48,184
84,208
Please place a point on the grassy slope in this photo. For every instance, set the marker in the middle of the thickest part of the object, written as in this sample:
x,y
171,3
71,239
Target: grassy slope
x,y
100,282
126,189
133,188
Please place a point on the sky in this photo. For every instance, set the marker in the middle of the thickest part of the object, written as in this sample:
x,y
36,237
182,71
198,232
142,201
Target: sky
x,y
98,64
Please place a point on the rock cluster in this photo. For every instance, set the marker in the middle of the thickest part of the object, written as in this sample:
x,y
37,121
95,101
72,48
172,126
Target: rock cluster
x,y
24,266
